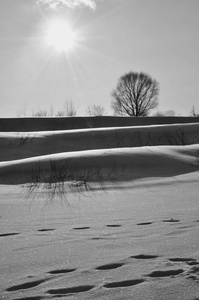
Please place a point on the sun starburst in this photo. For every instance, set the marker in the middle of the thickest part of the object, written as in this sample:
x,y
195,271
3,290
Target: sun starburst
x,y
60,35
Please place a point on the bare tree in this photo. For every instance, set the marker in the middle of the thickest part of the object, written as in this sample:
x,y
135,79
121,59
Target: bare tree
x,y
68,110
193,112
95,110
135,95
23,111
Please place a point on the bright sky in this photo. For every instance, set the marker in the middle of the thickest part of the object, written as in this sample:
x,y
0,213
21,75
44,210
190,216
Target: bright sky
x,y
112,37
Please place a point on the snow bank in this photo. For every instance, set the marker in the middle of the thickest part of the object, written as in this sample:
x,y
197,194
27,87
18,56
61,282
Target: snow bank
x,y
106,164
28,144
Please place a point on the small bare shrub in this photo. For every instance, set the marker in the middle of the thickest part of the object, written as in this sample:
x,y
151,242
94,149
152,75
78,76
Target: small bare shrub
x,y
68,110
193,112
95,110
57,179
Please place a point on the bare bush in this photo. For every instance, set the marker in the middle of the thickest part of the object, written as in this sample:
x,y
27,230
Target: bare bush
x,y
40,113
43,113
158,114
68,110
95,110
193,112
57,179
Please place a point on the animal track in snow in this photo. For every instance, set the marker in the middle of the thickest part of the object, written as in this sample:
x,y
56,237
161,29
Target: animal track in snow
x,y
171,221
61,271
110,266
165,273
43,230
181,259
26,285
144,256
113,225
9,234
193,263
194,270
30,298
71,290
81,228
193,273
124,283
144,223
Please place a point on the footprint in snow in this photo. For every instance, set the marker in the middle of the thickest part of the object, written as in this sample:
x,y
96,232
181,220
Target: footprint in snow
x,y
81,228
61,271
44,230
165,273
9,234
30,298
183,259
71,290
144,223
171,221
25,285
113,225
124,283
144,256
110,266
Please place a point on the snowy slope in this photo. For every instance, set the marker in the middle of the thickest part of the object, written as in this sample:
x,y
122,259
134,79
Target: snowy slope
x,y
124,227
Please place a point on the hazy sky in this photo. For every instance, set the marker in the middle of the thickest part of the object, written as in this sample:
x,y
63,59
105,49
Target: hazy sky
x,y
159,37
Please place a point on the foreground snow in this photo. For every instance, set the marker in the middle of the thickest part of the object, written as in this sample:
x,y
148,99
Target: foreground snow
x,y
123,224
134,243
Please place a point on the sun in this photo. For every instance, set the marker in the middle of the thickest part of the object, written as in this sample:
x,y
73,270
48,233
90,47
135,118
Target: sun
x,y
60,35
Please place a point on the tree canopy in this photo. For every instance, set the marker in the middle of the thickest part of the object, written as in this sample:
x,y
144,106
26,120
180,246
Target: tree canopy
x,y
135,95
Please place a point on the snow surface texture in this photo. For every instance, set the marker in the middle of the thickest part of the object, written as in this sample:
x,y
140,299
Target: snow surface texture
x,y
104,213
